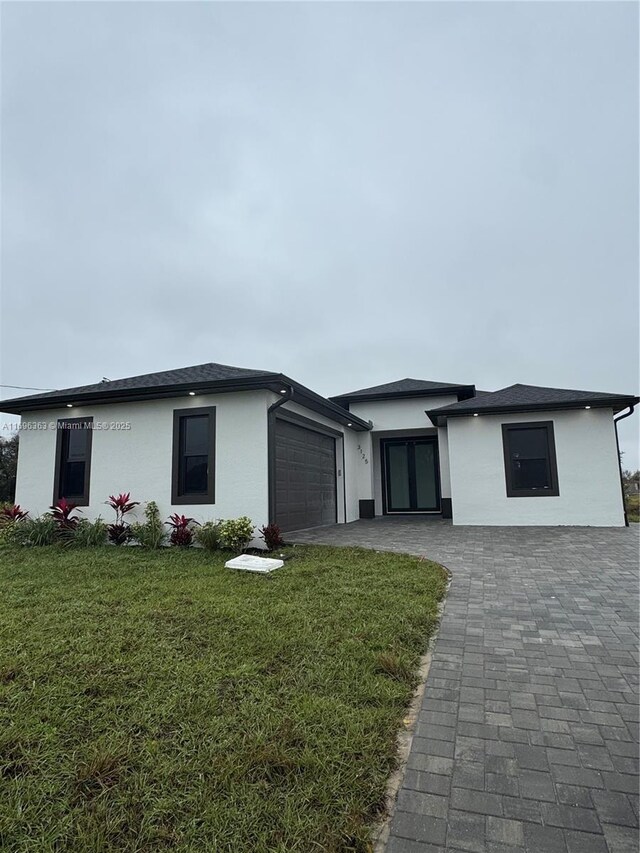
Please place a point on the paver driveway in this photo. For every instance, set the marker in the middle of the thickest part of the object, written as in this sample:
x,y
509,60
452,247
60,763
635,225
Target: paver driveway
x,y
527,739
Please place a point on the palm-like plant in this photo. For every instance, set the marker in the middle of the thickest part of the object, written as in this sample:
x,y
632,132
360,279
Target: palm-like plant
x,y
13,512
181,532
61,514
119,531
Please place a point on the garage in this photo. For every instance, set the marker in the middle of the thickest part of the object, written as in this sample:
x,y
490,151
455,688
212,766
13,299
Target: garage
x,y
305,477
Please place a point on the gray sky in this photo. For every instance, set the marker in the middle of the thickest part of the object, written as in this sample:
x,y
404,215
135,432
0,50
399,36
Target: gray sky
x,y
348,193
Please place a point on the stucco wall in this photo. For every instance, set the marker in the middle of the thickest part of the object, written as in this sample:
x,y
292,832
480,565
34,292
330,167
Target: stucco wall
x,y
400,414
139,460
359,471
587,472
443,454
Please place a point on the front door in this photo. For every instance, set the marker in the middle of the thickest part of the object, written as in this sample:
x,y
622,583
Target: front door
x,y
411,481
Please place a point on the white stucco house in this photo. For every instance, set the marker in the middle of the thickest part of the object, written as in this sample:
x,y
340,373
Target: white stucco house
x,y
214,441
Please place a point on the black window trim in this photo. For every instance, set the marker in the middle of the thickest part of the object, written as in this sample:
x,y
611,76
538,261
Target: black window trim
x,y
209,497
62,424
554,489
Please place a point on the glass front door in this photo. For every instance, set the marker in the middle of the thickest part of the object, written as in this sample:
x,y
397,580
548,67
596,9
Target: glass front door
x,y
411,475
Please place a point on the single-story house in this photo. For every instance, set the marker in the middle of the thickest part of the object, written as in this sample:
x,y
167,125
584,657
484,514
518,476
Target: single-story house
x,y
214,441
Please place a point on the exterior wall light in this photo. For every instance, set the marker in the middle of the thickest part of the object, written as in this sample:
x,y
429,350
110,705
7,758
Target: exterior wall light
x,y
349,424
283,391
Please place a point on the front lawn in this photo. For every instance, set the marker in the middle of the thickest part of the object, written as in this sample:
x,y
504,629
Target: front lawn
x,y
153,700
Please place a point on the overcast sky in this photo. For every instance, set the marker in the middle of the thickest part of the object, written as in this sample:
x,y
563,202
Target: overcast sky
x,y
347,193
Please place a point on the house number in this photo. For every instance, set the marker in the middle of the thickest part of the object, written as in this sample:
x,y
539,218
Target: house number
x,y
363,455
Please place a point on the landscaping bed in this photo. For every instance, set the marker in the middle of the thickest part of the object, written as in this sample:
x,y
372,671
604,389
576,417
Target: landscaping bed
x,y
153,700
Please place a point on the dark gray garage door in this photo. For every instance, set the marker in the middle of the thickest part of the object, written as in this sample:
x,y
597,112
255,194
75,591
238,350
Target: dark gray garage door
x,y
305,477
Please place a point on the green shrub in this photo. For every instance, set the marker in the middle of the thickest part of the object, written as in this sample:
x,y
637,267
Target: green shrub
x,y
236,533
36,531
208,535
10,532
151,533
89,534
10,516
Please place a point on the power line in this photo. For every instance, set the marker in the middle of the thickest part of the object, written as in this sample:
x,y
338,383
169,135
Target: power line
x,y
26,388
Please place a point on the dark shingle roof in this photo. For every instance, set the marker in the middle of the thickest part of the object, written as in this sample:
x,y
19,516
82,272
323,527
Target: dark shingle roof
x,y
209,372
400,388
520,398
207,378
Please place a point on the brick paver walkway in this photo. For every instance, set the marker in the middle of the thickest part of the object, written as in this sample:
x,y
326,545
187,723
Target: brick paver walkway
x,y
527,739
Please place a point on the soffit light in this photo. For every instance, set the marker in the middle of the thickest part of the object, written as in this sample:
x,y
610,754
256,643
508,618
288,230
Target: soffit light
x,y
349,424
475,414
192,393
69,405
283,391
587,407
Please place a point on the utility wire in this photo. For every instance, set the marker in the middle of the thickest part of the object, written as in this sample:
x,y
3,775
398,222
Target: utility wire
x,y
26,388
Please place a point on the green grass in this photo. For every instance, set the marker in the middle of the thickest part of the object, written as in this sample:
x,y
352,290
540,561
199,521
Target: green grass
x,y
633,508
154,701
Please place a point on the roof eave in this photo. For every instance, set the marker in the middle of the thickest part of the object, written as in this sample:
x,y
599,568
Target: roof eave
x,y
19,405
326,406
269,382
439,417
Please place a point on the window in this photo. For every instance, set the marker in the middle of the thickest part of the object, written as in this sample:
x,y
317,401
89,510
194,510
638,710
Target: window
x,y
192,480
530,459
73,460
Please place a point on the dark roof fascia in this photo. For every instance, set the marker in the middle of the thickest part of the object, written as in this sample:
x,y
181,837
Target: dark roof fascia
x,y
18,405
325,406
438,417
462,392
270,382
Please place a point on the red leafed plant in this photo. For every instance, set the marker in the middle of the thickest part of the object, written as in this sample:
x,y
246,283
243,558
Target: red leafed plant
x,y
272,536
122,504
61,514
12,512
119,531
181,532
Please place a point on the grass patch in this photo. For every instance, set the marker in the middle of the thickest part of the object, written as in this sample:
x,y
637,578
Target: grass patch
x,y
633,508
153,700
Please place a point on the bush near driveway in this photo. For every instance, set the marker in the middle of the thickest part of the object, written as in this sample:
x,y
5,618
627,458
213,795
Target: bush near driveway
x,y
153,700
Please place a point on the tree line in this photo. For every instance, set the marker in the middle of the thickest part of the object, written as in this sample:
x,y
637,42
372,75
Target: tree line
x,y
8,468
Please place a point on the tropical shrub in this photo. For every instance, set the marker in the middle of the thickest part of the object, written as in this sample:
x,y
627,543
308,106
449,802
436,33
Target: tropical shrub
x,y
11,515
151,533
181,530
208,535
272,536
12,512
119,532
236,533
62,517
89,534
